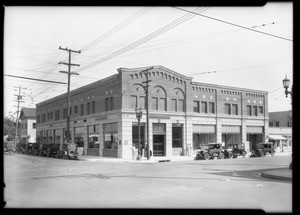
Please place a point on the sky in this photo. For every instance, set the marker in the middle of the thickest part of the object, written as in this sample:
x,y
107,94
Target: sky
x,y
248,47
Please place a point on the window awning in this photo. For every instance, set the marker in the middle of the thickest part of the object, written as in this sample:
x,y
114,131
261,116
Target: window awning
x,y
277,137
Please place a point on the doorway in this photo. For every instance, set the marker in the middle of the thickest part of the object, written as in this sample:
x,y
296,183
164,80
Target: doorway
x,y
158,145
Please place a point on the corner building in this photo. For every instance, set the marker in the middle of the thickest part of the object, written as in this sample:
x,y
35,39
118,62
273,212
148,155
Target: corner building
x,y
182,114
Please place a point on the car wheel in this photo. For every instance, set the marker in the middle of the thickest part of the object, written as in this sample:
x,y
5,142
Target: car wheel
x,y
230,155
198,157
244,154
262,154
206,156
221,155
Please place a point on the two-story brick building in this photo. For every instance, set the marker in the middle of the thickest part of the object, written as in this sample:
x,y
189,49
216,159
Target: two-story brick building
x,y
182,114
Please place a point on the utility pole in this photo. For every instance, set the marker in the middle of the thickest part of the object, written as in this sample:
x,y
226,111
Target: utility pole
x,y
147,107
19,97
69,79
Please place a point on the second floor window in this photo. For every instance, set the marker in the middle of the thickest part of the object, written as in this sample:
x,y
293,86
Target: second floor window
x,y
255,111
75,110
203,107
211,107
109,103
93,106
81,110
234,109
249,110
196,106
88,108
227,109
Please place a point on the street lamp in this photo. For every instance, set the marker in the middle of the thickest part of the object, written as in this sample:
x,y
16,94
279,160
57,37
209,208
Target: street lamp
x,y
286,84
139,115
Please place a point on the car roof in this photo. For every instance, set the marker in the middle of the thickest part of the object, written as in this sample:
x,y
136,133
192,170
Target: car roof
x,y
264,143
213,144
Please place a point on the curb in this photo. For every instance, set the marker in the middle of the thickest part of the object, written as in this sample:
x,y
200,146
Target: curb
x,y
276,177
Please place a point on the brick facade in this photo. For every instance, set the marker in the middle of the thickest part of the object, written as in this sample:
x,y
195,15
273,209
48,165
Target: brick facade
x,y
202,112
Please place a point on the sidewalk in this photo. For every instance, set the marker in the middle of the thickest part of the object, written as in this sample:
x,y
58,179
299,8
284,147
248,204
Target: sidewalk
x,y
143,159
279,174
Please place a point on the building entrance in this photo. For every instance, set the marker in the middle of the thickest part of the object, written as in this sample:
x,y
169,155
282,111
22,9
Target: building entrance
x,y
158,145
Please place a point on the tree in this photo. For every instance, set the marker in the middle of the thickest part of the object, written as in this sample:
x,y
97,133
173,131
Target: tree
x,y
9,127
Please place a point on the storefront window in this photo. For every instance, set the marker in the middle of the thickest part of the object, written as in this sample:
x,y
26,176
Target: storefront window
x,y
110,136
177,136
93,136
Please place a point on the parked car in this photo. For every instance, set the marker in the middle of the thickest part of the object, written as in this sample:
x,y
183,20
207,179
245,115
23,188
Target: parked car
x,y
235,150
263,149
43,150
29,148
9,147
21,148
53,149
69,150
210,150
36,148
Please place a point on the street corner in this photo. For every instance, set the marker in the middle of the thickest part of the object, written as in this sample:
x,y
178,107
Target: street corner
x,y
278,174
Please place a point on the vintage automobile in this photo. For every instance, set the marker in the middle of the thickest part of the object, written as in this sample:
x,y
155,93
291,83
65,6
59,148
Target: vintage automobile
x,y
35,148
9,147
235,150
30,148
263,149
43,150
210,150
53,149
68,150
21,148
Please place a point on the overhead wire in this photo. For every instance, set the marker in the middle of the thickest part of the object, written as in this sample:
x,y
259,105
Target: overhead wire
x,y
143,40
230,23
109,33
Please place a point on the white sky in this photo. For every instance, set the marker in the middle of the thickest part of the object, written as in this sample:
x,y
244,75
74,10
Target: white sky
x,y
240,57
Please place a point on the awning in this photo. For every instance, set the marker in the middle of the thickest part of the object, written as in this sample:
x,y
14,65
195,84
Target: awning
x,y
277,137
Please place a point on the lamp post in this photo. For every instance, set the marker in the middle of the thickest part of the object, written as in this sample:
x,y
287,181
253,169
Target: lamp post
x,y
286,84
147,107
139,114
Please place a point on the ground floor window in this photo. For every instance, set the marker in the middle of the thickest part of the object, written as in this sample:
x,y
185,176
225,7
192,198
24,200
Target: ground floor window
x,y
199,139
79,136
177,136
110,135
230,139
93,136
135,136
254,139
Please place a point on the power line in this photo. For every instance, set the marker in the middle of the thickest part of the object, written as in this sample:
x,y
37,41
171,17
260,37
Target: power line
x,y
240,26
142,40
35,79
238,68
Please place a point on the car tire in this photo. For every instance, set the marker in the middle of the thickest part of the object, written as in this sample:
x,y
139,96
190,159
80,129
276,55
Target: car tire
x,y
221,155
261,154
244,154
230,155
206,156
198,157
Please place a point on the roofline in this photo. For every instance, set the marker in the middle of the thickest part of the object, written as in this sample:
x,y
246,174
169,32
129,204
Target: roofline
x,y
72,92
123,69
229,87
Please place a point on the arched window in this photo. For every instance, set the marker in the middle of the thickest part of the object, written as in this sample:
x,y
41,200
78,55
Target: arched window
x,y
177,100
158,99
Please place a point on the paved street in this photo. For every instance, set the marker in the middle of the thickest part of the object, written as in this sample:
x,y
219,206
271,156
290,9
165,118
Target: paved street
x,y
36,182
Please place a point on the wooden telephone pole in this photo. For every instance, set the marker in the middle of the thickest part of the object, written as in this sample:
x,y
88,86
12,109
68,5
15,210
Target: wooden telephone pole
x,y
69,79
19,97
